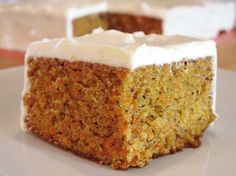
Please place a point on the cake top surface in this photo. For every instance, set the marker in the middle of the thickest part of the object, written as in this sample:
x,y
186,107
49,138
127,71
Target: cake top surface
x,y
120,49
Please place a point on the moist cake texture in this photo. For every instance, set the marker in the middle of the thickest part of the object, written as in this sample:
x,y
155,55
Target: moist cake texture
x,y
118,98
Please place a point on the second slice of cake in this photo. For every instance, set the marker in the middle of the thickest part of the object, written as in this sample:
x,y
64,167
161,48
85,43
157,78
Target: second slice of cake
x,y
120,98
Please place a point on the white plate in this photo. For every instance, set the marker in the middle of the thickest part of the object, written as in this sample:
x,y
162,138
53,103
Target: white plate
x,y
25,155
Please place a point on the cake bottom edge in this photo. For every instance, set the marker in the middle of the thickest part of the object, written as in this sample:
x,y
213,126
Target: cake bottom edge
x,y
93,158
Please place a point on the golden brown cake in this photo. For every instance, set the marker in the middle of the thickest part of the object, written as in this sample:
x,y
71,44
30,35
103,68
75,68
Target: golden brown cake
x,y
118,98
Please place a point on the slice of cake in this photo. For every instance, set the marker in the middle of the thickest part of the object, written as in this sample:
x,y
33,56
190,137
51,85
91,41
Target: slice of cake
x,y
184,17
121,99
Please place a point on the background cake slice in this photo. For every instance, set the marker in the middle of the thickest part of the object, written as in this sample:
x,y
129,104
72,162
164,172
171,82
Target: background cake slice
x,y
121,99
169,17
25,21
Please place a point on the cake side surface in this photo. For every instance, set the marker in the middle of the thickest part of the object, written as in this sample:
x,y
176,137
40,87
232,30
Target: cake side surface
x,y
169,108
116,116
118,21
79,109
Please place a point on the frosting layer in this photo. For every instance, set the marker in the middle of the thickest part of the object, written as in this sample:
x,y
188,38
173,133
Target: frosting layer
x,y
120,49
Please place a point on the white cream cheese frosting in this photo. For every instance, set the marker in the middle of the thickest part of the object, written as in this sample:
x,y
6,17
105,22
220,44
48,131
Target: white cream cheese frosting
x,y
120,49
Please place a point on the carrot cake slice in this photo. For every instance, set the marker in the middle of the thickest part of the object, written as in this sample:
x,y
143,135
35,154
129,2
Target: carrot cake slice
x,y
118,98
